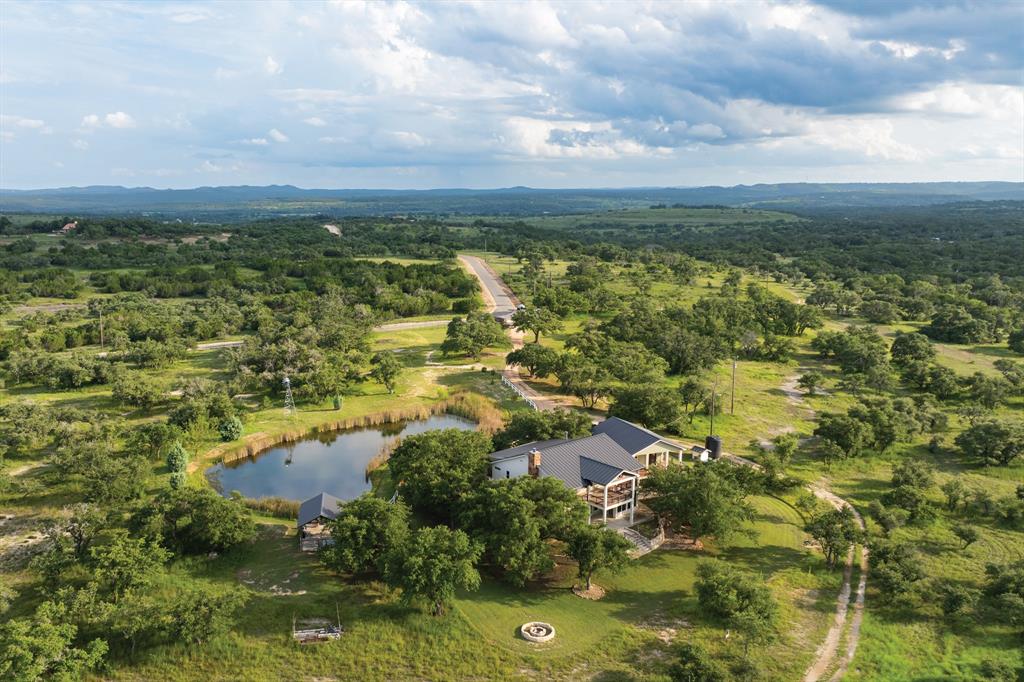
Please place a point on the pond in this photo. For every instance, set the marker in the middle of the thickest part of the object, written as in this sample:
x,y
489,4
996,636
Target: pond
x,y
333,462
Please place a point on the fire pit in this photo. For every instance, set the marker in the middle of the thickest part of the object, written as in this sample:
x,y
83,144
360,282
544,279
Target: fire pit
x,y
537,632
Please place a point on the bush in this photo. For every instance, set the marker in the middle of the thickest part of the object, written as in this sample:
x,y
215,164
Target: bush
x,y
230,429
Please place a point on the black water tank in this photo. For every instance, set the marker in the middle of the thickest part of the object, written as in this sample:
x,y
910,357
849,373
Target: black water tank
x,y
714,444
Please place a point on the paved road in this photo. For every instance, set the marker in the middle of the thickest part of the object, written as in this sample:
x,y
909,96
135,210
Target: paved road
x,y
502,300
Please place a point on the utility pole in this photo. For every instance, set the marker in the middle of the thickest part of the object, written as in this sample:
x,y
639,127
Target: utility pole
x,y
714,393
732,394
101,328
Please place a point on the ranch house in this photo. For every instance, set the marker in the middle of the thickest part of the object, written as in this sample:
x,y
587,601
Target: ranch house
x,y
603,468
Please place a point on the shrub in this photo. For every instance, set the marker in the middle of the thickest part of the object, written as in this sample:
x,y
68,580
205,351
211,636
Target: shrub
x,y
230,429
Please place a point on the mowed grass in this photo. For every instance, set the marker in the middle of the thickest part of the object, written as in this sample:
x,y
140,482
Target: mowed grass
x,y
478,639
655,592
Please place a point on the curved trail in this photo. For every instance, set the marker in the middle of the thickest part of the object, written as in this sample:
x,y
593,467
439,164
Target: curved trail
x,y
498,297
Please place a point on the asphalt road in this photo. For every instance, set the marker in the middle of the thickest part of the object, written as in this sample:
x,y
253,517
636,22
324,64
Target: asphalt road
x,y
504,302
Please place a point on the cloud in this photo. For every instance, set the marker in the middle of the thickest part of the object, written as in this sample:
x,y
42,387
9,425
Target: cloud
x,y
119,119
271,67
550,91
80,145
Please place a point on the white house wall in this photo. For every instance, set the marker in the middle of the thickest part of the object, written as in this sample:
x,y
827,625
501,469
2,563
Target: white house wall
x,y
510,468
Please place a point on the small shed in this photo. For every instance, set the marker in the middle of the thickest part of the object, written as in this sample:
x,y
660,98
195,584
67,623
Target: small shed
x,y
314,514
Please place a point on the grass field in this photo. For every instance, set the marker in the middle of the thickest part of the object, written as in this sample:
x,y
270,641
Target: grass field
x,y
649,601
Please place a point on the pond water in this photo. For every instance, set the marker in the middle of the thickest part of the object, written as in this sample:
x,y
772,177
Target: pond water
x,y
333,463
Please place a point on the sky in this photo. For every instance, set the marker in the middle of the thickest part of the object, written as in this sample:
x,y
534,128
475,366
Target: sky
x,y
497,94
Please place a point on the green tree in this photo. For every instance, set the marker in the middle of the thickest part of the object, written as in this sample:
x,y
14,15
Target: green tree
x,y
127,563
136,389
650,405
851,436
43,647
500,516
199,615
835,530
193,520
955,598
472,334
694,664
230,429
987,391
992,442
177,457
1016,341
810,382
432,564
966,534
909,348
437,469
595,548
525,426
738,598
895,569
704,500
364,532
582,377
955,492
540,361
536,320
386,369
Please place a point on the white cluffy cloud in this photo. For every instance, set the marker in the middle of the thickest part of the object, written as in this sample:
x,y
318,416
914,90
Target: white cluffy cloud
x,y
420,94
116,119
271,67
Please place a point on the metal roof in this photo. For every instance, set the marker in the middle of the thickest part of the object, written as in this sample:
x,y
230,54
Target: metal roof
x,y
575,462
525,448
322,505
629,436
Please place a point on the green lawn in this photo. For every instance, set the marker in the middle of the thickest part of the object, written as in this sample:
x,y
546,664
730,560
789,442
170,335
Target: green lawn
x,y
386,641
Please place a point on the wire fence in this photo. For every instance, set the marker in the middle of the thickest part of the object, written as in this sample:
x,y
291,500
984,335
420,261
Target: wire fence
x,y
518,391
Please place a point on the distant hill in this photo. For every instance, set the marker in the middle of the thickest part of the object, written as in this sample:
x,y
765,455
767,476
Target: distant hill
x,y
245,202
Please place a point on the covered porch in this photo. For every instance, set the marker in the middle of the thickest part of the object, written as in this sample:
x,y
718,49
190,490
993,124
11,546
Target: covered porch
x,y
615,499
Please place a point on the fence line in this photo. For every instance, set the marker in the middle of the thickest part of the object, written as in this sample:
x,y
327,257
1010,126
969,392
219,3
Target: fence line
x,y
518,391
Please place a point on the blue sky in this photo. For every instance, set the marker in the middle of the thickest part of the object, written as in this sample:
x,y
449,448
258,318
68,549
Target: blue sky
x,y
491,94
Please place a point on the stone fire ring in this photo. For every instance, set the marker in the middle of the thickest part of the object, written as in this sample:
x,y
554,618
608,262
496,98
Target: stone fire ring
x,y
537,632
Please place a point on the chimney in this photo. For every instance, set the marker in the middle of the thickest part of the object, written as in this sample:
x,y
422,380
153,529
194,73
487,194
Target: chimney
x,y
533,463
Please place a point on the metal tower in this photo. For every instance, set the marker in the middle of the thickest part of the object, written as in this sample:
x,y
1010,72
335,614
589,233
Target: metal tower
x,y
289,402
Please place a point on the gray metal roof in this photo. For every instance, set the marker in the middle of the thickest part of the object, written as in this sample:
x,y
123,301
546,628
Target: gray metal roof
x,y
322,505
592,459
524,448
629,436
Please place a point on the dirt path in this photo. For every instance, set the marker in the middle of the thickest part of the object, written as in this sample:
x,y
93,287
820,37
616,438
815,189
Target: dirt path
x,y
829,649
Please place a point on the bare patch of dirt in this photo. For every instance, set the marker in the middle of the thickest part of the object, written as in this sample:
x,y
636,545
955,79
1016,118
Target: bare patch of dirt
x,y
594,593
664,628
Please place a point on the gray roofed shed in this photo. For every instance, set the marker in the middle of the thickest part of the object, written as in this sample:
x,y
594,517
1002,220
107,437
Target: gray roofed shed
x,y
324,505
